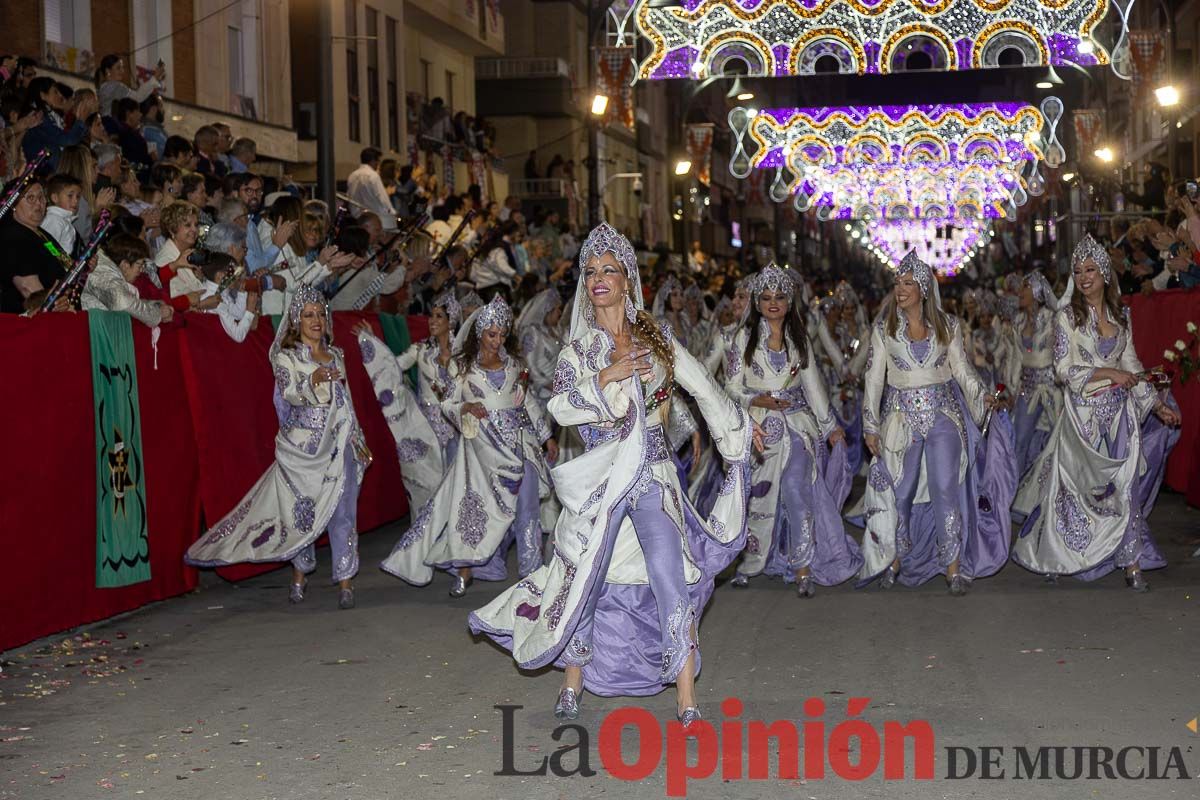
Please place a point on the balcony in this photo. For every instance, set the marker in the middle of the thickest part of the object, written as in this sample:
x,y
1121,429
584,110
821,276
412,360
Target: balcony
x,y
540,188
503,69
539,87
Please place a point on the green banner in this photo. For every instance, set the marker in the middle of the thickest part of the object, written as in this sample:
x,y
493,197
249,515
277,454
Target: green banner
x,y
122,542
395,333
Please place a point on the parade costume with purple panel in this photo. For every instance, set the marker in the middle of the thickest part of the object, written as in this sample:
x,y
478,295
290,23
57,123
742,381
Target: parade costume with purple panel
x,y
492,491
1089,494
931,499
842,355
1039,399
798,487
313,484
425,439
633,563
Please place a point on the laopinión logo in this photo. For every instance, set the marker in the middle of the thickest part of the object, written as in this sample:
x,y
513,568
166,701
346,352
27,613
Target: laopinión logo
x,y
853,750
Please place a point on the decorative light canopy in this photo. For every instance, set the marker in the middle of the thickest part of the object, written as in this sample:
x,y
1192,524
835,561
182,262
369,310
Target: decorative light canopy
x,y
804,37
914,161
944,244
960,133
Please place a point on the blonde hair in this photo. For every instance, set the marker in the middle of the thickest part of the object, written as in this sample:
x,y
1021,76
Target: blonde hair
x,y
175,214
934,316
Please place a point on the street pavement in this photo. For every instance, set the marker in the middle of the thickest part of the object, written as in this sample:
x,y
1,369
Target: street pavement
x,y
231,693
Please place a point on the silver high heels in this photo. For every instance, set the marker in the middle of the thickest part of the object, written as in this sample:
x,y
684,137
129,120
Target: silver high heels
x,y
688,716
567,707
804,586
296,594
459,587
346,599
740,581
888,579
1137,581
957,585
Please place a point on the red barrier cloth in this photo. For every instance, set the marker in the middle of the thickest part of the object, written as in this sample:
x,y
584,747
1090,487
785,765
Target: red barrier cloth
x,y
208,430
1158,320
48,501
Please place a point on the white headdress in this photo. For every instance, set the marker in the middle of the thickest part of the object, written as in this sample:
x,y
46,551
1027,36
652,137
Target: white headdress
x,y
663,294
1089,249
495,314
922,273
1042,293
773,278
447,301
290,321
535,311
603,239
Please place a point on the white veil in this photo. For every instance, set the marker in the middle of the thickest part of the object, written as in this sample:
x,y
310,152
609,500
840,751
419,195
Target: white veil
x,y
603,239
659,309
538,307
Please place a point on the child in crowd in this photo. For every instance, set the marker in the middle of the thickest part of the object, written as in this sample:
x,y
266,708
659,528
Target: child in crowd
x,y
64,192
110,286
238,310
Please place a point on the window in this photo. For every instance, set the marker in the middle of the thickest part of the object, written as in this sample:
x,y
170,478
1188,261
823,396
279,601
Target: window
x,y
426,69
68,22
236,75
352,70
393,80
450,90
151,37
372,46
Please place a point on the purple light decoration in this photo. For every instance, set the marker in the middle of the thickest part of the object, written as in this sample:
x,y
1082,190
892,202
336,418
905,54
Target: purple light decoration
x,y
1064,49
678,63
781,53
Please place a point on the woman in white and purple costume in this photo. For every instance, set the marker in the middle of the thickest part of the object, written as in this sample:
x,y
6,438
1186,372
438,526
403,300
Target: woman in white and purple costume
x,y
425,440
320,456
1039,400
1090,492
800,484
619,603
934,504
492,491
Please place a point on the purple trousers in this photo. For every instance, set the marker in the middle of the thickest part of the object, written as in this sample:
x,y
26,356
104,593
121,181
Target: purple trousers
x,y
660,542
342,529
526,529
941,450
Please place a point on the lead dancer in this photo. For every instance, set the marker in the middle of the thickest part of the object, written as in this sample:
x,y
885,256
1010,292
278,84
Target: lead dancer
x,y
930,507
320,456
796,528
1088,496
492,490
618,605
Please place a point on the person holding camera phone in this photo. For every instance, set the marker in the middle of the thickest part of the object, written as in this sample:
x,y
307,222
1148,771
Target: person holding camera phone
x,y
175,262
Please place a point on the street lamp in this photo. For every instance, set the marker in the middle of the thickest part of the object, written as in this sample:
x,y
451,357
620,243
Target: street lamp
x,y
683,167
599,105
1105,154
1167,96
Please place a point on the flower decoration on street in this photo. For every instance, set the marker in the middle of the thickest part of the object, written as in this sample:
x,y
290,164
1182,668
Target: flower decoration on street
x,y
697,38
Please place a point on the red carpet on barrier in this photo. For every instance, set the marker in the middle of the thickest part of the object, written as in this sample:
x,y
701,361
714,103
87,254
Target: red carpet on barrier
x,y
207,431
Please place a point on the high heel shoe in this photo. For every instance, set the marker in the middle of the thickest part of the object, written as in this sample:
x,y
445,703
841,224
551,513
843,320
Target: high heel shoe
x,y
296,594
688,715
1137,581
740,581
346,599
957,585
567,707
804,586
888,579
459,587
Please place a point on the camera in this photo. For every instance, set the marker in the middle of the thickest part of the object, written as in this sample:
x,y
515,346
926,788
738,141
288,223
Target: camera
x,y
1192,189
198,257
637,187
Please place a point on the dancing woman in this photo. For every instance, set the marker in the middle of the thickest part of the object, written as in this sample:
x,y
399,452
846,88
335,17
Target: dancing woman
x,y
320,456
1090,492
930,506
537,332
1039,401
492,489
795,527
425,439
618,605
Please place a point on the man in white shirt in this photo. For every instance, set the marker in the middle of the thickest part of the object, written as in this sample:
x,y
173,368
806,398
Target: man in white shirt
x,y
365,188
497,267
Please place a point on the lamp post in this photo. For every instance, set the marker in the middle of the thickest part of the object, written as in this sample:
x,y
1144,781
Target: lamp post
x,y
326,153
